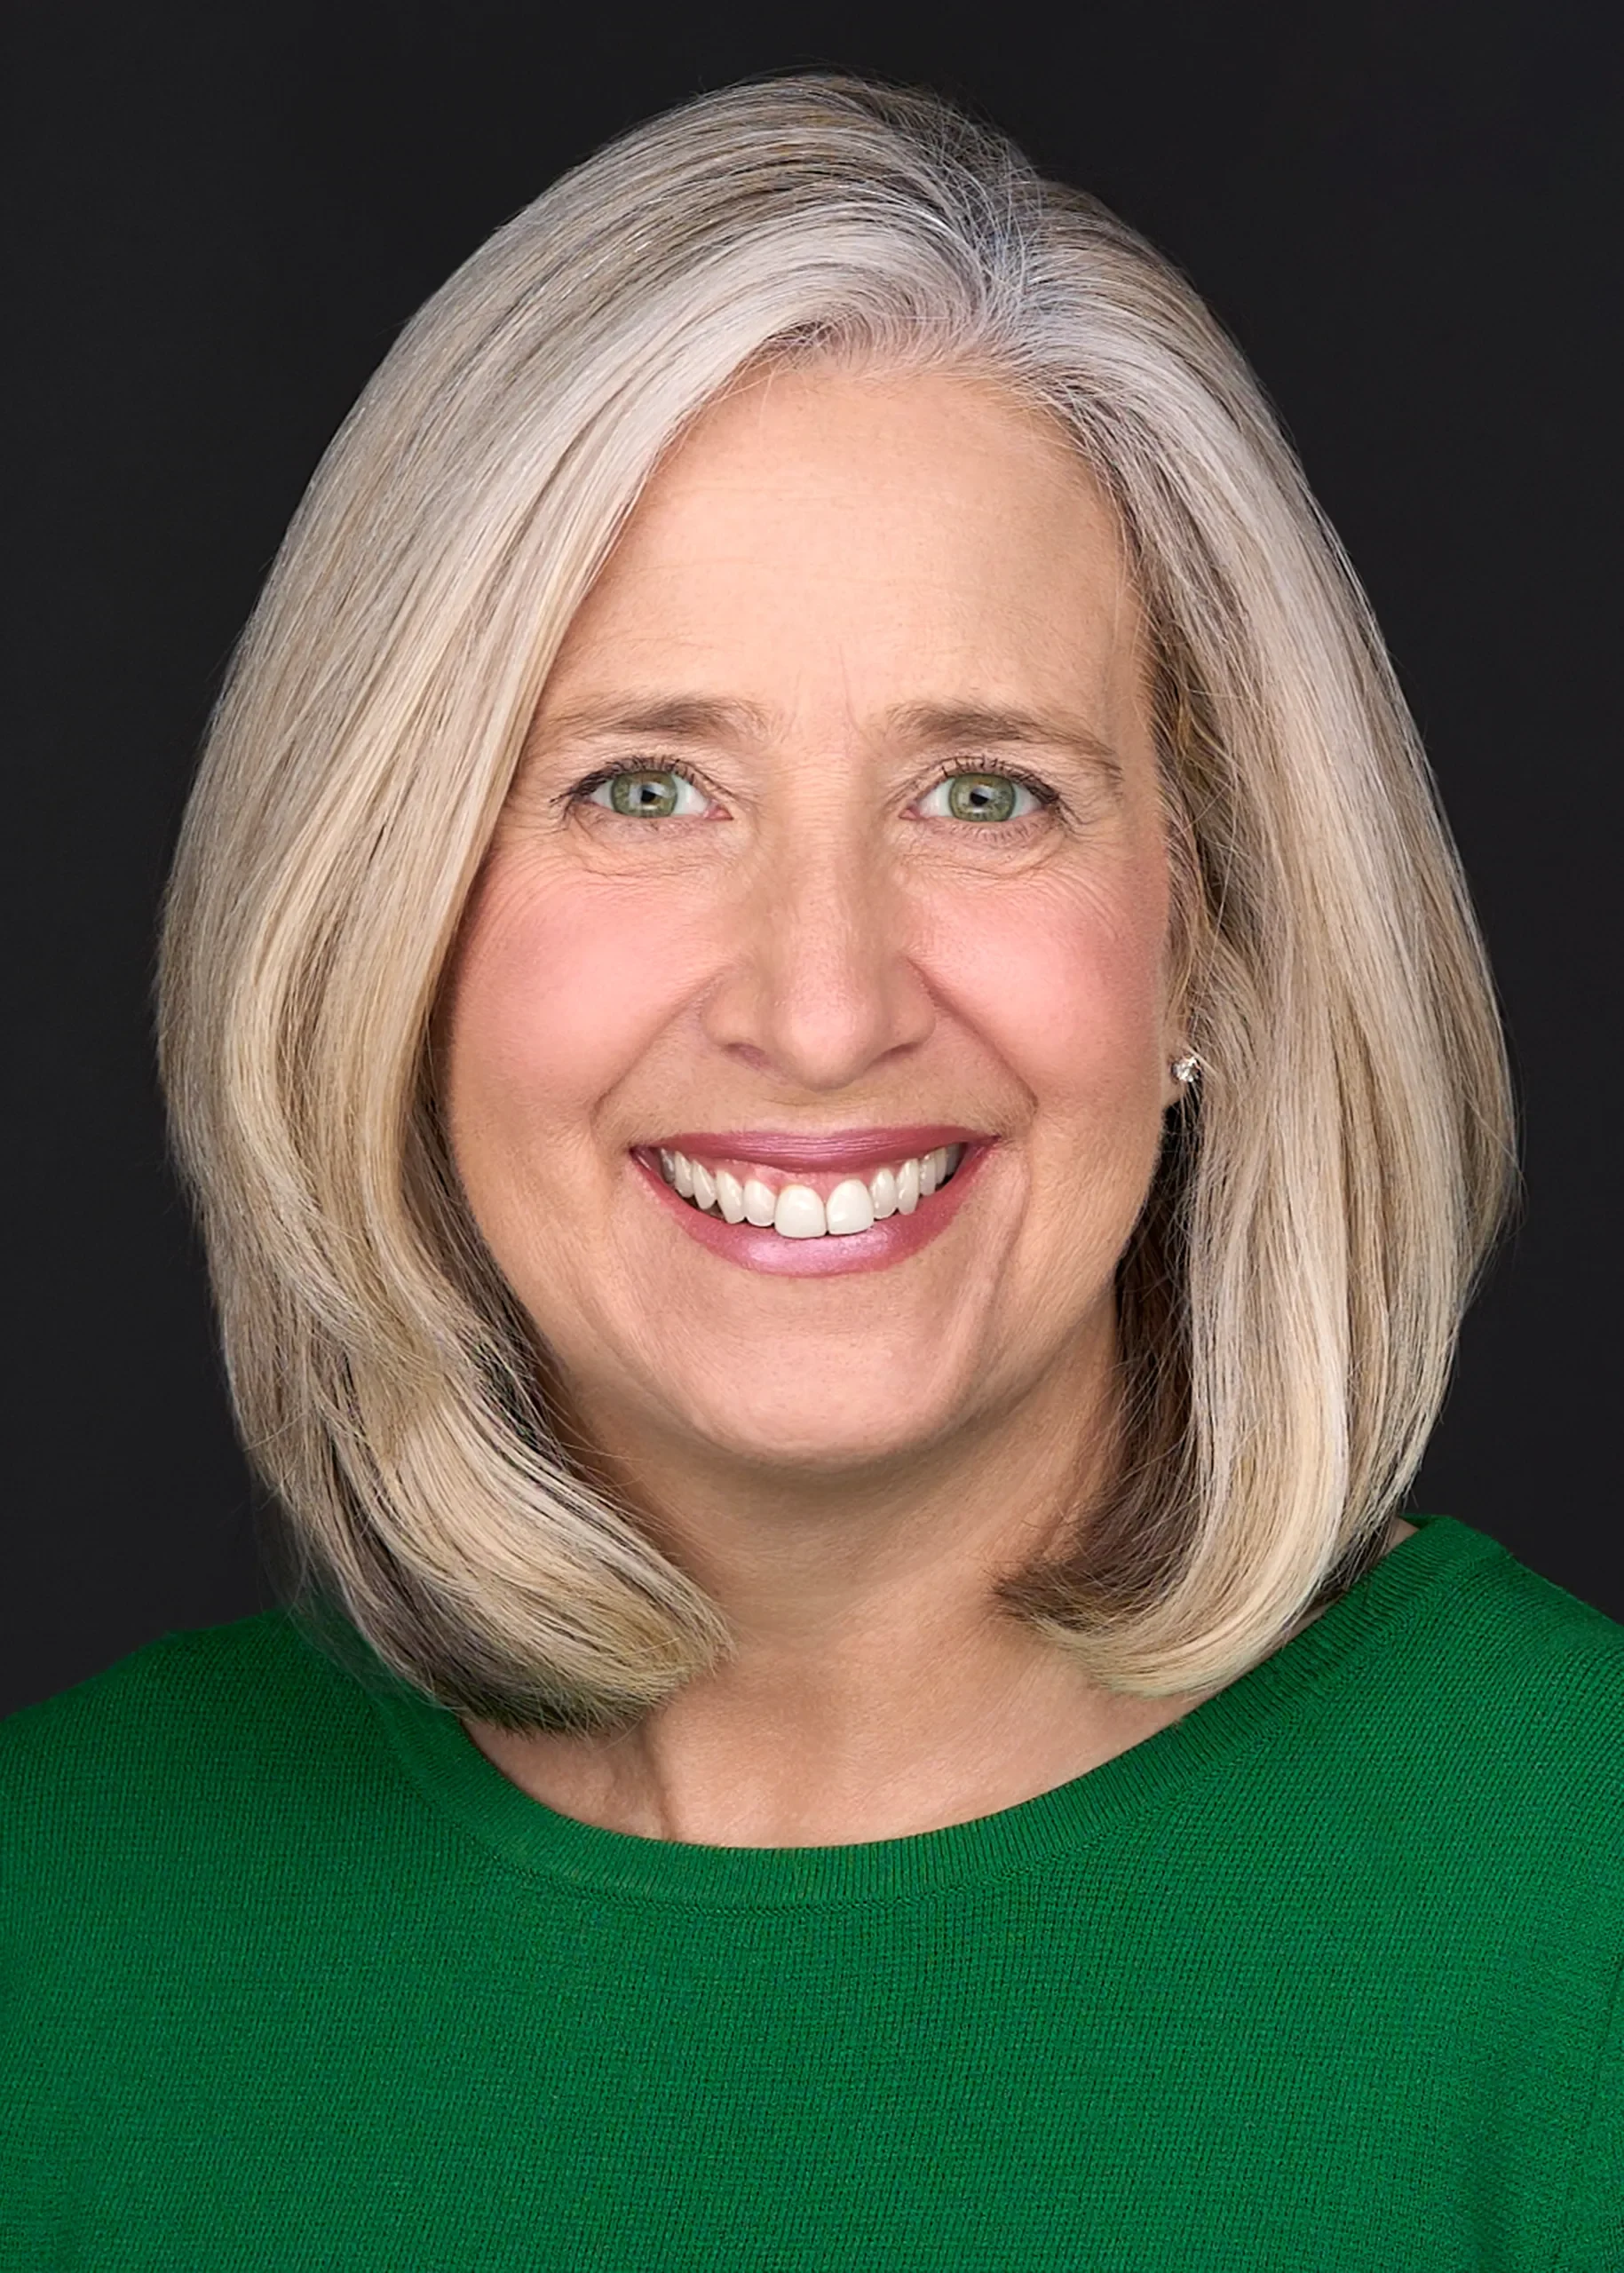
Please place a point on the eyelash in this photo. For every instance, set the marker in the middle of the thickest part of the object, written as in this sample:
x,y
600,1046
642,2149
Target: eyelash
x,y
1046,797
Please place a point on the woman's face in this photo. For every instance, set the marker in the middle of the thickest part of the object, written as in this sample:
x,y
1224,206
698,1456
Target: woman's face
x,y
839,821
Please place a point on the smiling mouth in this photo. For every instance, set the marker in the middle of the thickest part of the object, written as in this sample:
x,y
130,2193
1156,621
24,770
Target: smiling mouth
x,y
818,1206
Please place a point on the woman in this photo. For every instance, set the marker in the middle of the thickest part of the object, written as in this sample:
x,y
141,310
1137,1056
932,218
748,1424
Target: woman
x,y
844,1099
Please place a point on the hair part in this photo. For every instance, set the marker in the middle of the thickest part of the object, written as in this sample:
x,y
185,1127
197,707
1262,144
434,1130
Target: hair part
x,y
1290,1298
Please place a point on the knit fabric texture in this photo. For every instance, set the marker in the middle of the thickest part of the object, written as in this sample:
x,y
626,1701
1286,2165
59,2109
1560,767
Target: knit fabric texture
x,y
1325,1975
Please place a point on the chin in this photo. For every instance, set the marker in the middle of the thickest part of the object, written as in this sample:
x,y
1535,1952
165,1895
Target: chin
x,y
807,1434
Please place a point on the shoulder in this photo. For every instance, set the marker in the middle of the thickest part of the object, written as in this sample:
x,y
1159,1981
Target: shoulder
x,y
1520,1645
1488,1696
1525,1800
195,1742
166,1689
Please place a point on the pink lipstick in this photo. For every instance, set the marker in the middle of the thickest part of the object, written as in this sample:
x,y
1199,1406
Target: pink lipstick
x,y
761,1249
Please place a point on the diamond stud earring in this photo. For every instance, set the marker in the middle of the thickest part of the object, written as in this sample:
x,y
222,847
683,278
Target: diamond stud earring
x,y
1186,1068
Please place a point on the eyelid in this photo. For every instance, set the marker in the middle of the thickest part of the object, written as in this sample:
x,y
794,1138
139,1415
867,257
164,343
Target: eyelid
x,y
580,792
953,770
1045,794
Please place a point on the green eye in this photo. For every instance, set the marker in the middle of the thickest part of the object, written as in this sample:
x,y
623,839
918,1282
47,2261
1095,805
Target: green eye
x,y
651,795
985,797
656,792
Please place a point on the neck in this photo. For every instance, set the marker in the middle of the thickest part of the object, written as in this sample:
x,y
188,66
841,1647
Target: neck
x,y
876,1688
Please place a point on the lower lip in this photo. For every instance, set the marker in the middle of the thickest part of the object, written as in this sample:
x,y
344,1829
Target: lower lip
x,y
756,1249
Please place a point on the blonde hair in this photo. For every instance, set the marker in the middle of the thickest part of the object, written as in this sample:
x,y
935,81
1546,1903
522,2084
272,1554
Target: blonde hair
x,y
1291,1295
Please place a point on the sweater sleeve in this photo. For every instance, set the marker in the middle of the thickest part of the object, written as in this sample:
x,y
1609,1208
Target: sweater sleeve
x,y
1593,2225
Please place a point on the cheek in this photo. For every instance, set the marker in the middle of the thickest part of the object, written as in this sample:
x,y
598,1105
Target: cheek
x,y
1067,982
554,994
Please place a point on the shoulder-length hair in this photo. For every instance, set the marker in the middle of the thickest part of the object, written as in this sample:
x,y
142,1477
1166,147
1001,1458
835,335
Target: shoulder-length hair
x,y
1290,1297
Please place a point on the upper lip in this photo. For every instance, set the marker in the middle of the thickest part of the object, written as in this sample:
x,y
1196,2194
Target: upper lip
x,y
834,1148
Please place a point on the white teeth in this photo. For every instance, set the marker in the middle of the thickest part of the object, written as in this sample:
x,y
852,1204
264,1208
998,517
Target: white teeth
x,y
796,1212
849,1207
799,1214
933,1169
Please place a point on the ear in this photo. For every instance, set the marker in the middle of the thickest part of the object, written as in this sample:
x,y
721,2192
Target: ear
x,y
1186,937
1184,1068
1172,1087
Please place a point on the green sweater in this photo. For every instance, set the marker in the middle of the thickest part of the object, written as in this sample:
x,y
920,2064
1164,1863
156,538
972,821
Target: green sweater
x,y
1325,1977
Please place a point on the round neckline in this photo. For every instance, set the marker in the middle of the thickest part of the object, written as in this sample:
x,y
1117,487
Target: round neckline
x,y
455,1777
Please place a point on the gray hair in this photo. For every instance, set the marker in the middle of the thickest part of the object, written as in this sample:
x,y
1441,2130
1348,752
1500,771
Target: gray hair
x,y
1290,1297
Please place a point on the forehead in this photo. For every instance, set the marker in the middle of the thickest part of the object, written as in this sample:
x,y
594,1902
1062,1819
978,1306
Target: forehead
x,y
921,537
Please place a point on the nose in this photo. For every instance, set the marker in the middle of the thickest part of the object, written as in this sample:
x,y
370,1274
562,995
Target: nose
x,y
822,980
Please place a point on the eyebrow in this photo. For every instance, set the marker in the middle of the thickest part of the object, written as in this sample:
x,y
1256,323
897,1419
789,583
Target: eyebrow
x,y
978,723
681,717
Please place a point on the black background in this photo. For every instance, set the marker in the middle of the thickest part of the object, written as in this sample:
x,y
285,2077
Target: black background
x,y
221,216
